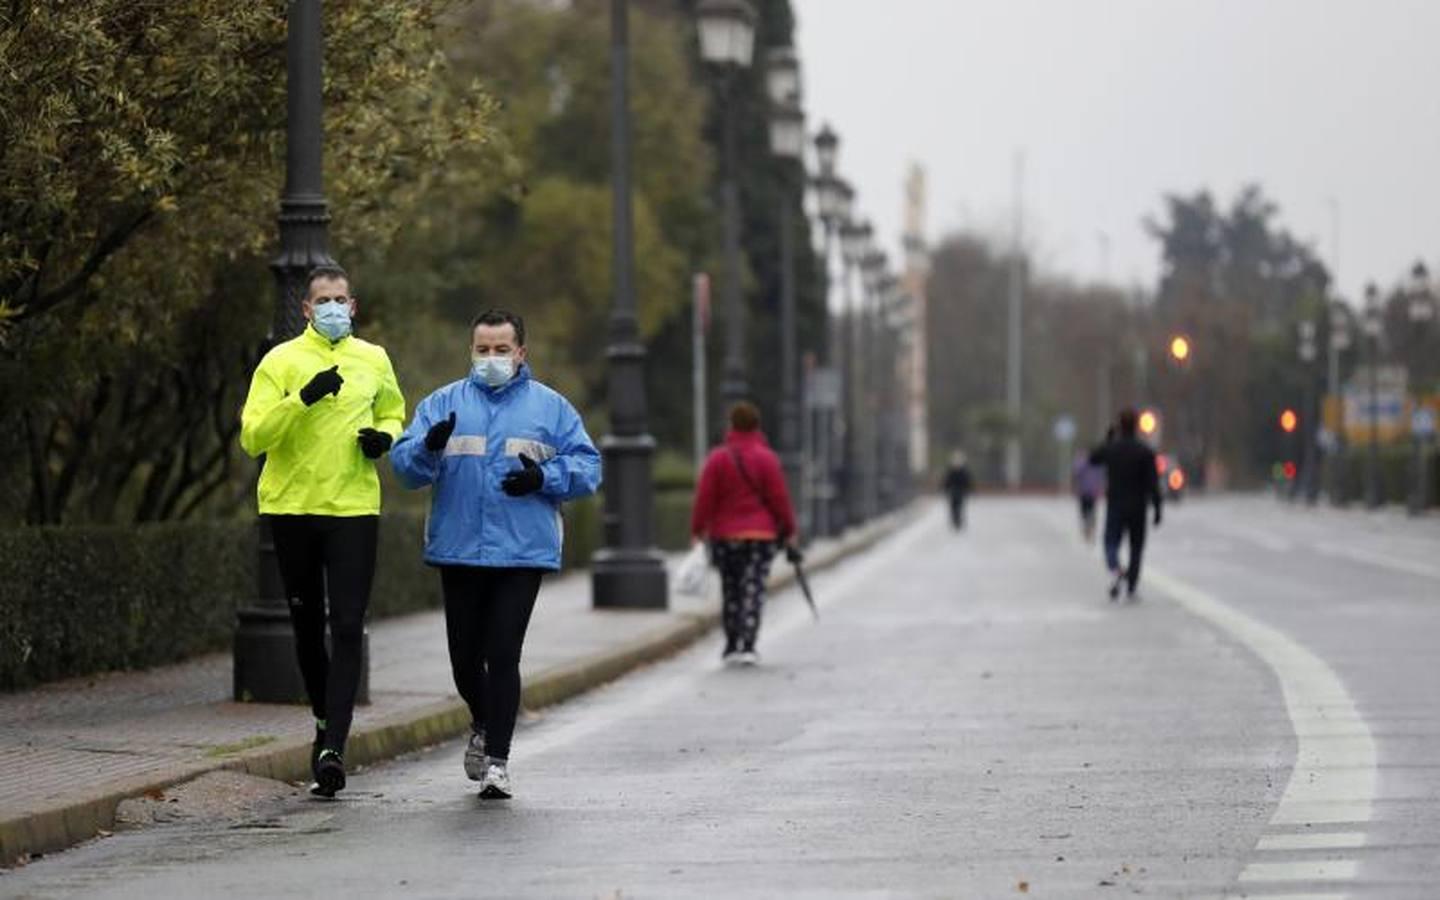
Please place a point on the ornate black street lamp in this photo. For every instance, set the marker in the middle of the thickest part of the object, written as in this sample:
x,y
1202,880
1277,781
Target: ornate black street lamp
x,y
628,571
265,666
787,144
727,43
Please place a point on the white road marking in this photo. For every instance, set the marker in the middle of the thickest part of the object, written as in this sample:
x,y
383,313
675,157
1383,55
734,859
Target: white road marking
x,y
1334,777
1343,840
1313,870
1383,560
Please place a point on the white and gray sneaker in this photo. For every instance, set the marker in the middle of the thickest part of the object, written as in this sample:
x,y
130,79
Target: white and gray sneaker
x,y
747,658
496,785
475,757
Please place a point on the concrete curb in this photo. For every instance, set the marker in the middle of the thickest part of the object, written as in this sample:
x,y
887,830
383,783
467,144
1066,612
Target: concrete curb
x,y
58,827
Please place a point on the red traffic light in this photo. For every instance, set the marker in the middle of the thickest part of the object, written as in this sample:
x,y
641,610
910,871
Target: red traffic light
x,y
1289,421
1289,469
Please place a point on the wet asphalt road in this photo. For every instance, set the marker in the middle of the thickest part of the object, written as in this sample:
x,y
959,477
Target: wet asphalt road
x,y
971,718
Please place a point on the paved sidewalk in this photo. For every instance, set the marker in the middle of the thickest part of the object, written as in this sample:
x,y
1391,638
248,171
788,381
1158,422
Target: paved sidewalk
x,y
71,751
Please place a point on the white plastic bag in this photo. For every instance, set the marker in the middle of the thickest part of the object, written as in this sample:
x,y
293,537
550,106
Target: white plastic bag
x,y
693,573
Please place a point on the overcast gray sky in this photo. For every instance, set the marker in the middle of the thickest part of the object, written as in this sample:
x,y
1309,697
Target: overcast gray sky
x,y
1117,102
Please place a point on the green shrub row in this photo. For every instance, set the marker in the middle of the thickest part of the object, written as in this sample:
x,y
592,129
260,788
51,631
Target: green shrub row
x,y
81,599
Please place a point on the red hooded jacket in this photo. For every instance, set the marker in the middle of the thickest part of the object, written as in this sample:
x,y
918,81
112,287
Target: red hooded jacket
x,y
726,508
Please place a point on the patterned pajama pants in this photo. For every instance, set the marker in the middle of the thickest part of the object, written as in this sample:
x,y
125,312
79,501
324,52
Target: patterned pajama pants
x,y
744,566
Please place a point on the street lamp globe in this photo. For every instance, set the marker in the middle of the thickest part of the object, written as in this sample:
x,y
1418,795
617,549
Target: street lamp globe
x,y
854,241
787,130
1422,301
782,75
1372,321
727,32
1180,348
827,149
1339,326
847,201
827,199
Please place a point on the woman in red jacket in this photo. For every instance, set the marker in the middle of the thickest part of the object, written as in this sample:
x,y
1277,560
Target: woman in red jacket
x,y
743,509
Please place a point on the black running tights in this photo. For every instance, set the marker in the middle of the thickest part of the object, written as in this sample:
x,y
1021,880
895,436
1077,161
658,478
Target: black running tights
x,y
338,553
486,613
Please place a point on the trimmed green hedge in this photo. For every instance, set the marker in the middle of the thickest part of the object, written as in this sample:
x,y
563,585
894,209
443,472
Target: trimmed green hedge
x,y
84,599
78,600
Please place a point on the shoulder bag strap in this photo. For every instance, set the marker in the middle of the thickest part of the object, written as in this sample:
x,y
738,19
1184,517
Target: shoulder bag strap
x,y
754,489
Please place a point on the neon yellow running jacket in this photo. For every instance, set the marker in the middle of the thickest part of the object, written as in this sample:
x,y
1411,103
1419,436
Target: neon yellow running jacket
x,y
313,463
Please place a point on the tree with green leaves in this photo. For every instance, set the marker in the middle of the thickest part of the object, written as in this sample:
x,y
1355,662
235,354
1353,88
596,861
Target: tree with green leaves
x,y
138,187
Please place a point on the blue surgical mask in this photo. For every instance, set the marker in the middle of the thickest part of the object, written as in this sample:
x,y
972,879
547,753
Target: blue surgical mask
x,y
493,370
332,319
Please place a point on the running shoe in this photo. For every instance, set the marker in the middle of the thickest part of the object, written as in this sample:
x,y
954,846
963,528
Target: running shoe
x,y
475,757
329,775
747,658
496,785
1115,584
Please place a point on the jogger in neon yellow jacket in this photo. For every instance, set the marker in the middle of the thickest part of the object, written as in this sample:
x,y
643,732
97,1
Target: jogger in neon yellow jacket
x,y
323,408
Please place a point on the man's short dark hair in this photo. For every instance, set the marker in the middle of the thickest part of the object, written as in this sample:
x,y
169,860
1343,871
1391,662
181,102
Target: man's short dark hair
x,y
327,272
1128,421
493,317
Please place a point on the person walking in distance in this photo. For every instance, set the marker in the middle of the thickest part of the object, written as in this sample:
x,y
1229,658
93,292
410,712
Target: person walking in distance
x,y
322,408
501,453
742,508
958,484
1087,480
1132,482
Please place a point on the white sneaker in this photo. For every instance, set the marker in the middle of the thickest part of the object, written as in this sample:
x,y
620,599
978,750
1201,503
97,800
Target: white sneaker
x,y
496,785
747,658
475,757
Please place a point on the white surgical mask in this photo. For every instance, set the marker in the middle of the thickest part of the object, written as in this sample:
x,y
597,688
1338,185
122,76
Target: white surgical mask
x,y
493,370
332,319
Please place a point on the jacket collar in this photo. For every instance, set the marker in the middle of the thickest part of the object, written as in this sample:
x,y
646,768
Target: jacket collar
x,y
320,340
522,374
746,438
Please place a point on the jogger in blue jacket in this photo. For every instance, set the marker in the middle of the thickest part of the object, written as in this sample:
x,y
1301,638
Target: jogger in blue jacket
x,y
501,452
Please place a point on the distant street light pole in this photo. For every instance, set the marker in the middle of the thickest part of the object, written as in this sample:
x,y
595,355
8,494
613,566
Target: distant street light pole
x,y
1420,310
854,244
265,664
1309,415
1014,369
727,43
1372,354
628,571
1339,341
832,200
787,143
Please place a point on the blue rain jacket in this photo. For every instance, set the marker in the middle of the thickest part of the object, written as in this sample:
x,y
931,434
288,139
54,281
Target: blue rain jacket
x,y
472,521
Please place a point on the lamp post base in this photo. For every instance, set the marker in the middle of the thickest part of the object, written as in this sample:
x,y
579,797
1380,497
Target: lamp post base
x,y
629,579
265,666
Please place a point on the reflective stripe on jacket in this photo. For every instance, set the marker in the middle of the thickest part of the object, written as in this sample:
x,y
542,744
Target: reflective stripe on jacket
x,y
313,463
472,521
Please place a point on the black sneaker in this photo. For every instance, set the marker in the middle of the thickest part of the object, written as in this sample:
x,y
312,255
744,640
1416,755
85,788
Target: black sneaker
x,y
329,774
1115,585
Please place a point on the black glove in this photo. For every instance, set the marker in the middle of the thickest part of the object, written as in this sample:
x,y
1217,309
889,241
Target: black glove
x,y
794,555
326,382
373,443
525,480
439,433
